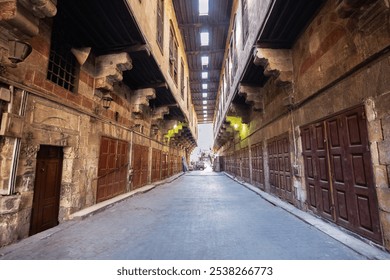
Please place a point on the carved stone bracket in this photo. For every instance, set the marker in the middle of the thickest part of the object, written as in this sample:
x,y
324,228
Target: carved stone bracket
x,y
276,63
253,96
22,16
43,8
110,69
225,133
158,113
240,110
167,125
140,99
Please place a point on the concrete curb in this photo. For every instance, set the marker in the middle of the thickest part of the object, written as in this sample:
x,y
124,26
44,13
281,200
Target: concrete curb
x,y
358,244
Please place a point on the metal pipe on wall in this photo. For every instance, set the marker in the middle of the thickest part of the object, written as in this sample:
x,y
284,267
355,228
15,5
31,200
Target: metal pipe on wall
x,y
17,144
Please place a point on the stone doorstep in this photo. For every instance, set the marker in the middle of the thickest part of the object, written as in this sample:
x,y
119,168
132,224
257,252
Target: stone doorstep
x,y
358,244
101,206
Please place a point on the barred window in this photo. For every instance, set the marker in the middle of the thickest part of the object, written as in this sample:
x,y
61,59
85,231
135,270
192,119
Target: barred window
x,y
182,85
62,68
188,94
245,20
160,23
173,49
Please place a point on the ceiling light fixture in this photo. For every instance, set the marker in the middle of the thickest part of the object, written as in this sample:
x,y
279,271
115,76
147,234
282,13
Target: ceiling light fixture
x,y
204,39
205,61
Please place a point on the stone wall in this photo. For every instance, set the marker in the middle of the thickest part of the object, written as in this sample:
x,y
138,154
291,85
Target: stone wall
x,y
340,61
76,121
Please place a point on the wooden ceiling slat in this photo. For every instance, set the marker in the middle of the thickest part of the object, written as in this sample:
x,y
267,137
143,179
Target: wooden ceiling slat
x,y
190,24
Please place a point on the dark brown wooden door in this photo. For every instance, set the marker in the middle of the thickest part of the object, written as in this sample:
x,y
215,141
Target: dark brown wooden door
x,y
316,163
144,165
222,161
47,189
280,167
179,164
164,166
258,165
156,165
171,159
140,165
112,169
340,151
236,163
245,164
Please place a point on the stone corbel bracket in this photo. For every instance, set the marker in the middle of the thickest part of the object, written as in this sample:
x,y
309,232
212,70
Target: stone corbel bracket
x,y
240,110
158,113
43,8
252,96
157,118
167,125
276,63
225,133
109,69
22,16
140,99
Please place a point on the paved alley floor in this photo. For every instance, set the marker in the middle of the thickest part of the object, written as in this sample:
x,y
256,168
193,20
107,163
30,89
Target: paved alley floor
x,y
200,215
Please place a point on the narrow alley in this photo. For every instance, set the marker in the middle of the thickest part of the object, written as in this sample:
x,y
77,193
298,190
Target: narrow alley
x,y
200,215
104,107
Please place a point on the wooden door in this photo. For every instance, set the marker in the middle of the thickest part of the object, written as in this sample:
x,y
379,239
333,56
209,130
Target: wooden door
x,y
179,164
280,167
144,165
258,165
156,165
112,169
140,165
316,163
340,151
137,161
237,163
47,189
245,164
164,166
171,159
222,162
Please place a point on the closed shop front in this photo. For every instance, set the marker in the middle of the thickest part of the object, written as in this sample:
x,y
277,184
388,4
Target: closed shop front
x,y
280,167
338,172
156,165
164,165
140,165
258,165
113,167
245,164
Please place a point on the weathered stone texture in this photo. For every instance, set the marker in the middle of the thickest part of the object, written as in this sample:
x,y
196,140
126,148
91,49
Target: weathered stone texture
x,y
333,46
385,220
384,146
8,227
9,204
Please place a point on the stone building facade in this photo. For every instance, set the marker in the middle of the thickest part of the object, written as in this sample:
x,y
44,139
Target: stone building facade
x,y
62,148
304,114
